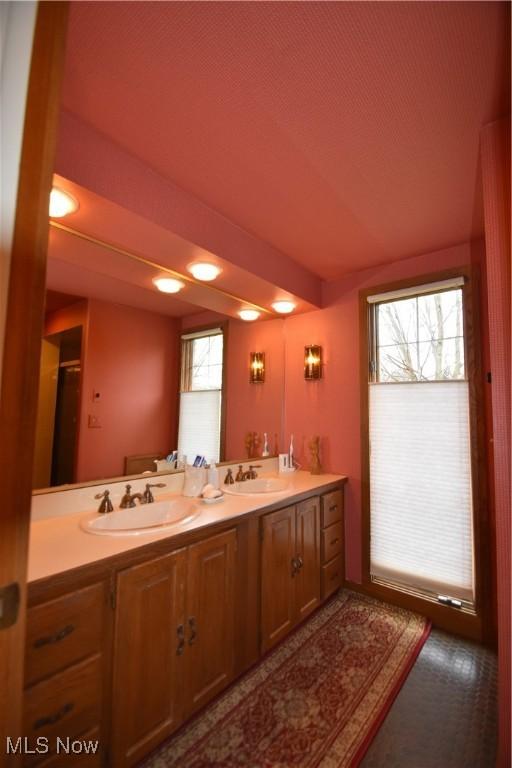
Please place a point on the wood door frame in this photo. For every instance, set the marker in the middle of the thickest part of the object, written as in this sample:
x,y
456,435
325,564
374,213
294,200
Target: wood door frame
x,y
24,321
477,626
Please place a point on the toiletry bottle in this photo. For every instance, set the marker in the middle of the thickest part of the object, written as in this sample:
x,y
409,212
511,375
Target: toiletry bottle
x,y
292,463
213,475
265,451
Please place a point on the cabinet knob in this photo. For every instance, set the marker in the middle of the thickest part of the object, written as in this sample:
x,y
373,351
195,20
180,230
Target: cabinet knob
x,y
180,631
193,630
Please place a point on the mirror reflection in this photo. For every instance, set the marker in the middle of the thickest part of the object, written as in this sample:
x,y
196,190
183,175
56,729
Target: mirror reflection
x,y
124,390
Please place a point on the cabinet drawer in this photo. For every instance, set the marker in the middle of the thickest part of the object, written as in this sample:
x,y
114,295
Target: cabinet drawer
x,y
332,577
63,631
332,541
67,704
332,508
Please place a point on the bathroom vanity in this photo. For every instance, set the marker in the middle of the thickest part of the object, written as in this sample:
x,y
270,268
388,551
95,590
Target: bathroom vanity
x,y
167,622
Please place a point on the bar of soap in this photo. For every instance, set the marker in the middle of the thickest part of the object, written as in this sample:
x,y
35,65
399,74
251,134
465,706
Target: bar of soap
x,y
209,492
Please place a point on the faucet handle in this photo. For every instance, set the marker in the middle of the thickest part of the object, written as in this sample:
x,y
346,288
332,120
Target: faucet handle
x,y
106,504
147,496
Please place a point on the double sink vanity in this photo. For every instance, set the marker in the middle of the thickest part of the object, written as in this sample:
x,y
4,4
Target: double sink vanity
x,y
166,603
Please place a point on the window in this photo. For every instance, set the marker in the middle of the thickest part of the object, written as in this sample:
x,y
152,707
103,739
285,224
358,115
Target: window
x,y
420,490
201,394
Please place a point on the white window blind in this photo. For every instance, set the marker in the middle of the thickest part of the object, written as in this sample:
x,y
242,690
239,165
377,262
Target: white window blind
x,y
420,486
199,432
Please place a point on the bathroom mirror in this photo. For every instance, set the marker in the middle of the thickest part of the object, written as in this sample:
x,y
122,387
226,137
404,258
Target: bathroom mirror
x,y
130,374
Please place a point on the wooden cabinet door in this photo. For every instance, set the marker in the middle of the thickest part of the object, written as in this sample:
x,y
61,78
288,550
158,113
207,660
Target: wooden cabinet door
x,y
307,579
147,690
210,618
277,576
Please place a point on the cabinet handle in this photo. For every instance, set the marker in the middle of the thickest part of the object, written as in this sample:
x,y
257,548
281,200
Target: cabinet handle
x,y
56,638
333,542
193,630
51,719
180,631
295,566
333,508
300,562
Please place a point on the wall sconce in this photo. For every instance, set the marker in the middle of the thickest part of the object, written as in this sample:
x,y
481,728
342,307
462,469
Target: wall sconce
x,y
257,368
312,362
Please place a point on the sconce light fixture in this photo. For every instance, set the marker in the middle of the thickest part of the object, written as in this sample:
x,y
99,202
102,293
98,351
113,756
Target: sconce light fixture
x,y
312,362
257,368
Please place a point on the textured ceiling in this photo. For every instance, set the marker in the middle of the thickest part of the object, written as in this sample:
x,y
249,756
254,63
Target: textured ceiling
x,y
344,134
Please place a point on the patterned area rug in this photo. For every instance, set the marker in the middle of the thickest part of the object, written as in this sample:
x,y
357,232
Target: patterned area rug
x,y
316,700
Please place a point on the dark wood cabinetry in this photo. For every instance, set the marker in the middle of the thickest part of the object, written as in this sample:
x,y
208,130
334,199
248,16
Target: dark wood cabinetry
x,y
66,664
174,642
333,543
277,573
210,622
125,651
307,578
149,639
290,566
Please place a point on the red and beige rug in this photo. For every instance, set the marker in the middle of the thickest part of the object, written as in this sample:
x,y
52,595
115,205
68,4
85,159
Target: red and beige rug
x,y
316,700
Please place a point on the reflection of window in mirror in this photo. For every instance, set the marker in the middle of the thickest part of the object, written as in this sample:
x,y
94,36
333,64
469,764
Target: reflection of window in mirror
x,y
201,395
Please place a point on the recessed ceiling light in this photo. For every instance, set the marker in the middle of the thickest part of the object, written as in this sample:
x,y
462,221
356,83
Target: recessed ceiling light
x,y
204,271
62,203
249,314
283,307
168,284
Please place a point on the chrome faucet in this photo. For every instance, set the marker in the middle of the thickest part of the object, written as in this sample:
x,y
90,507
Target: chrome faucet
x,y
106,503
128,499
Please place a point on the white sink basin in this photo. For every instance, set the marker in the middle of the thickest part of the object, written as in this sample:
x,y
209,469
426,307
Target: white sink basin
x,y
259,485
146,518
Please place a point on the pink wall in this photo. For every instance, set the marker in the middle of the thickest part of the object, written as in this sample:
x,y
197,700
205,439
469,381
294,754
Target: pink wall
x,y
254,407
330,407
132,361
131,358
495,151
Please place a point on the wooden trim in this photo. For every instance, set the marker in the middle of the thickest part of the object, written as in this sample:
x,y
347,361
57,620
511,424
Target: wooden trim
x,y
24,321
478,627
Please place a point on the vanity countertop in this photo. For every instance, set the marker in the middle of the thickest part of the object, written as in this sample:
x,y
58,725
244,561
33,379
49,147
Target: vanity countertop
x,y
59,544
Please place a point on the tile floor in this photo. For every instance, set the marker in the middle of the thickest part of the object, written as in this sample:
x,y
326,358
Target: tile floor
x,y
445,715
